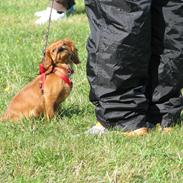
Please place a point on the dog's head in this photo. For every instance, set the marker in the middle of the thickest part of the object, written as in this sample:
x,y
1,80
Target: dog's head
x,y
60,52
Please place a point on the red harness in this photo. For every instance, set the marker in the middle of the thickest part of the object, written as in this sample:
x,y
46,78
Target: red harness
x,y
64,77
43,77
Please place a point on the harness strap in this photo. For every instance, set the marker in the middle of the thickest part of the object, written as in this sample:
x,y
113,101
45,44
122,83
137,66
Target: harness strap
x,y
41,69
66,80
65,77
43,77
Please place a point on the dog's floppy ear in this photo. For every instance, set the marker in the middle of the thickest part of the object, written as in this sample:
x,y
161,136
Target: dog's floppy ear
x,y
74,56
74,53
47,60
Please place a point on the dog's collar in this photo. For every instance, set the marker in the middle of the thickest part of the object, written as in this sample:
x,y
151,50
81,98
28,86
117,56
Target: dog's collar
x,y
69,70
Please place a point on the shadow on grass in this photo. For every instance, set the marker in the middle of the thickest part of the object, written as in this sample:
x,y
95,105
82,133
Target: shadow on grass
x,y
73,110
68,112
79,12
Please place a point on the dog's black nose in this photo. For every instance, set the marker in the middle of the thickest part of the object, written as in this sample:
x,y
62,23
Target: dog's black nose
x,y
61,49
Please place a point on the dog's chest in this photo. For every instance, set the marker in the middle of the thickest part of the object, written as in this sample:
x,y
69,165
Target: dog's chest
x,y
64,93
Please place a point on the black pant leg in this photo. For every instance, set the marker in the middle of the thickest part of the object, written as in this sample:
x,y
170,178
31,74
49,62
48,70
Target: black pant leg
x,y
157,46
166,95
119,50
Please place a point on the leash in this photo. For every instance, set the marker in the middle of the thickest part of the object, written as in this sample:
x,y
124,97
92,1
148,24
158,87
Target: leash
x,y
48,30
41,67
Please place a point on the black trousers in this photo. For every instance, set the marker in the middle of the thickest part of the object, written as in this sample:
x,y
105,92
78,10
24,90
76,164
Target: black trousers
x,y
135,61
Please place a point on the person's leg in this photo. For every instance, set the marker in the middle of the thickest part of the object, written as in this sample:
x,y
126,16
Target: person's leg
x,y
166,97
119,51
60,8
157,45
63,5
60,5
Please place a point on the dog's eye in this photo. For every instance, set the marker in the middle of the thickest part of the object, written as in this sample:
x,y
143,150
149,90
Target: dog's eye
x,y
54,50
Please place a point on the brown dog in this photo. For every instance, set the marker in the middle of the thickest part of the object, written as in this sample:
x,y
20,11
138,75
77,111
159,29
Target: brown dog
x,y
47,90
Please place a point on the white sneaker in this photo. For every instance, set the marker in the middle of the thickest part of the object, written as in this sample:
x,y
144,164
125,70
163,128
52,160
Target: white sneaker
x,y
54,16
43,12
57,16
98,129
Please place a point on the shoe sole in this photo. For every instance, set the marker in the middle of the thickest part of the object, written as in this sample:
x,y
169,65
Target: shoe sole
x,y
166,130
138,132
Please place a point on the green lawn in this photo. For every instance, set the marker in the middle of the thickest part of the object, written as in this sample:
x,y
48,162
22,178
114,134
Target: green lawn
x,y
58,151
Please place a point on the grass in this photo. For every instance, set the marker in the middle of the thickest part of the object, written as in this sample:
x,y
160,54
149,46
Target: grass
x,y
58,151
